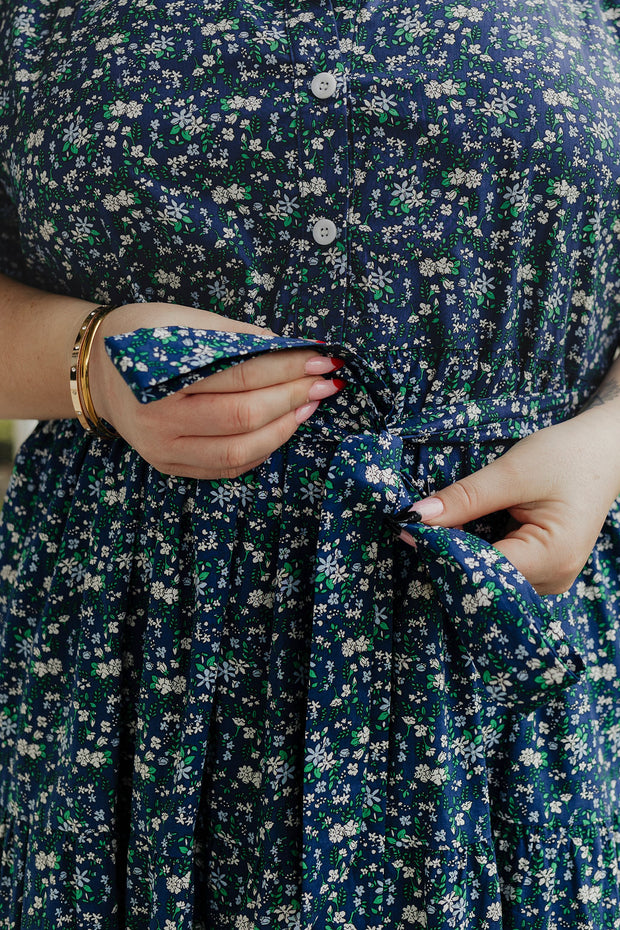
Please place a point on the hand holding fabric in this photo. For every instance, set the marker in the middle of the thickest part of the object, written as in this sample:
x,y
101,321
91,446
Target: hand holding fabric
x,y
512,638
557,484
220,426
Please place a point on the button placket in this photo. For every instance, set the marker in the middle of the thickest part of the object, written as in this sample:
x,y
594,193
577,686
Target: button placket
x,y
321,94
324,231
323,85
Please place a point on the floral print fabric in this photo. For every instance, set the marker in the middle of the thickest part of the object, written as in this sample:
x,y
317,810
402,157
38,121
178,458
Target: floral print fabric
x,y
246,703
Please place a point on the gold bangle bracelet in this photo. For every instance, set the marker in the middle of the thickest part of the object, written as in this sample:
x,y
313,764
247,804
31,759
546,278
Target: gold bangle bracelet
x,y
79,382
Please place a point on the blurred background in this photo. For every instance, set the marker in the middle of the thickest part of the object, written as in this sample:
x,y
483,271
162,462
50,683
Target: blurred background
x,y
12,434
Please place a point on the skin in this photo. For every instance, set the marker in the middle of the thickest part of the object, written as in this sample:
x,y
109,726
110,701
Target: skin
x,y
219,427
557,484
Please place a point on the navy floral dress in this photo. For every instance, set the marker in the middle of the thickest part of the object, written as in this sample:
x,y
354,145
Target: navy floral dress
x,y
246,704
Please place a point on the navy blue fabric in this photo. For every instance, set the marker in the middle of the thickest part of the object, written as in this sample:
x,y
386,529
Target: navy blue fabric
x,y
231,705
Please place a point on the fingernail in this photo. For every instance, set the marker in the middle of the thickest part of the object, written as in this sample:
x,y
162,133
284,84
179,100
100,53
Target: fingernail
x,y
408,538
302,413
426,509
322,365
321,389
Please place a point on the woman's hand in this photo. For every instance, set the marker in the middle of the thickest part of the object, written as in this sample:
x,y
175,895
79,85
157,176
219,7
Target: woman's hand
x,y
557,485
223,425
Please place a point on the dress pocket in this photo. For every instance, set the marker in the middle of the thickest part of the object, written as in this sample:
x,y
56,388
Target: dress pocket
x,y
503,624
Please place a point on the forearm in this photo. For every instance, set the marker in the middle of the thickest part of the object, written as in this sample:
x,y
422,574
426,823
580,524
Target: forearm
x,y
606,399
37,332
599,425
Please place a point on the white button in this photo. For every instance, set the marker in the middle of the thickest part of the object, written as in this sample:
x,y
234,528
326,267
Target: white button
x,y
323,85
324,232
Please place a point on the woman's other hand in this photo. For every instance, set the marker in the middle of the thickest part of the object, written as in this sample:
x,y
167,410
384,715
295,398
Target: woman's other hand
x,y
223,425
557,484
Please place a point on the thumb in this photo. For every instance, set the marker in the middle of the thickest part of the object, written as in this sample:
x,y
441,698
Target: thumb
x,y
491,488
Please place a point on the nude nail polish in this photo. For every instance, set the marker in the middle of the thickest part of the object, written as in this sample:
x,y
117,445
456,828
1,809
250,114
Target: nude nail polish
x,y
302,413
321,389
426,509
408,538
322,365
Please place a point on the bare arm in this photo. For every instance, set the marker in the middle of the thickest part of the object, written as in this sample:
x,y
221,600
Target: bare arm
x,y
220,427
607,395
37,331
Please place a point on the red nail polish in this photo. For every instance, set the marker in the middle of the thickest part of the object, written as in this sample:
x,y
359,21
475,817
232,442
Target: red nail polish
x,y
339,383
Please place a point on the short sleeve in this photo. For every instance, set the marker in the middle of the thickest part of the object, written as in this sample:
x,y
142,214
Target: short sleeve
x,y
11,257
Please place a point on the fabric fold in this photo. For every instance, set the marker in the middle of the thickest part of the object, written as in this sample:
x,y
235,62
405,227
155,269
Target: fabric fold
x,y
512,637
504,625
506,631
159,362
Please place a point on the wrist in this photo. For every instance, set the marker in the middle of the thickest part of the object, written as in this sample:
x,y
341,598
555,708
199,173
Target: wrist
x,y
101,370
599,443
606,397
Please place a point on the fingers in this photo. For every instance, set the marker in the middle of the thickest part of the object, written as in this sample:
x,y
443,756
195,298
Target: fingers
x,y
226,424
211,436
229,414
262,371
215,457
548,560
492,488
545,483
